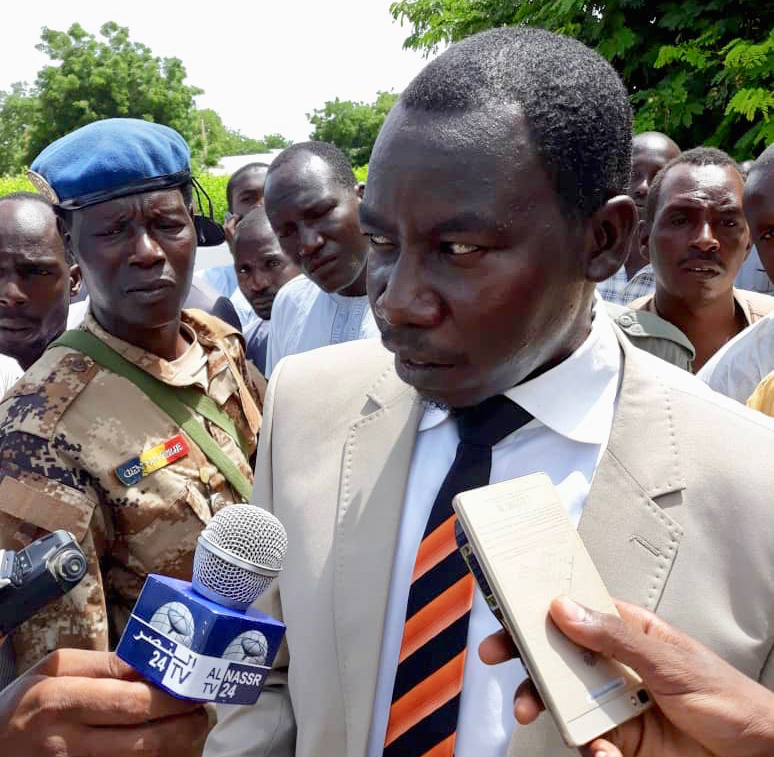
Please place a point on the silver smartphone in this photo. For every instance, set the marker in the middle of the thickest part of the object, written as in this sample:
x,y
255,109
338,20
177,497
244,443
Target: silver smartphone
x,y
524,551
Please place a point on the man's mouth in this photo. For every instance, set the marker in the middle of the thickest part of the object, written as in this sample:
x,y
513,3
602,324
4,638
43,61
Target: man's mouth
x,y
317,263
16,327
151,286
702,269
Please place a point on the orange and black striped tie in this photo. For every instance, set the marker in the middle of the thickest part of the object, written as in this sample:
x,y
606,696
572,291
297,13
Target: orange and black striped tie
x,y
428,682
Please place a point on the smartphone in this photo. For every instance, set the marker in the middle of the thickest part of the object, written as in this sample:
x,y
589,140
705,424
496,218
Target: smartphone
x,y
524,551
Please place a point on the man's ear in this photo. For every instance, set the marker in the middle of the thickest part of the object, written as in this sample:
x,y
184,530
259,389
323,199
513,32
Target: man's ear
x,y
360,189
644,234
75,280
67,239
608,235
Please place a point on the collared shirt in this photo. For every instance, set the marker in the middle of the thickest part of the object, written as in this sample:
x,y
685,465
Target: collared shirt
x,y
69,429
762,398
304,317
622,290
573,405
741,364
752,305
752,275
10,373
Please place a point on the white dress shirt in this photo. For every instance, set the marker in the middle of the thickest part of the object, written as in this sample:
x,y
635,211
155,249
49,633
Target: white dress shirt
x,y
573,406
304,317
741,364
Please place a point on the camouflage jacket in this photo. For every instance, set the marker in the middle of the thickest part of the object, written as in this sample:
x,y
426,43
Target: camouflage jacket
x,y
70,430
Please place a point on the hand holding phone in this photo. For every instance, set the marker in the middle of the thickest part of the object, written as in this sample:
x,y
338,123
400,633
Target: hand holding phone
x,y
521,546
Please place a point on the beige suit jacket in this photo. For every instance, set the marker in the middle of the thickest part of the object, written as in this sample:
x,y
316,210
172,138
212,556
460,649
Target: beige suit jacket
x,y
679,519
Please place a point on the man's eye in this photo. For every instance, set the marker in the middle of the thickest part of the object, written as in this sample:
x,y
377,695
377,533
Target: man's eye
x,y
273,264
768,235
457,248
115,231
729,223
378,240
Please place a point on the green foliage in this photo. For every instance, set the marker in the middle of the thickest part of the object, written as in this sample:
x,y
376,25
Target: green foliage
x,y
103,79
361,173
352,126
9,184
215,187
703,72
212,140
18,110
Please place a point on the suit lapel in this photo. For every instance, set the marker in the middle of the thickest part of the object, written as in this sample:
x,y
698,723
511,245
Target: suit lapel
x,y
625,525
375,468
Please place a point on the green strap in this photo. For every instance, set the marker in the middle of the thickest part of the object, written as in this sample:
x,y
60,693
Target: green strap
x,y
175,402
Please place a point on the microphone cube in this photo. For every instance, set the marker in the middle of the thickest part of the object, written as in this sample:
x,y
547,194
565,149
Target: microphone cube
x,y
196,649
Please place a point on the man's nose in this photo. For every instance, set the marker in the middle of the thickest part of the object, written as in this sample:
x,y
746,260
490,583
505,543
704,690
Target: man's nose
x,y
705,239
11,294
146,251
311,240
406,300
259,281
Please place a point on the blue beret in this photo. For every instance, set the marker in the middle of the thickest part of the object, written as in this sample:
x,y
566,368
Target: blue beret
x,y
108,159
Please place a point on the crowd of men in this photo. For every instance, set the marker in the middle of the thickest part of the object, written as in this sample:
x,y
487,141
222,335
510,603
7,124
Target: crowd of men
x,y
498,284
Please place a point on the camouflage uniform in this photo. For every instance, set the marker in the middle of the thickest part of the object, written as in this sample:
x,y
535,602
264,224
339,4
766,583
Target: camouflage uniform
x,y
66,427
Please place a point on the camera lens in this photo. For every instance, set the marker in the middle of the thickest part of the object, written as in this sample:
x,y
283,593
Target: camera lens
x,y
71,565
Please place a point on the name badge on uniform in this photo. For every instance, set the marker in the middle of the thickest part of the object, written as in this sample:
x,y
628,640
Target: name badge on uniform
x,y
156,458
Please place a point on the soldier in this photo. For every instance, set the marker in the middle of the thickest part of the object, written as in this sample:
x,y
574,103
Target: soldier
x,y
87,438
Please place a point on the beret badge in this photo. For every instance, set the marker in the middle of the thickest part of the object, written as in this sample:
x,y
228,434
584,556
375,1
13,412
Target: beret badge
x,y
43,186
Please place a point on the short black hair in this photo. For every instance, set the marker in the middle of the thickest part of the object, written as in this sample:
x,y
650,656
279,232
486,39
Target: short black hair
x,y
343,174
575,105
255,218
35,196
235,177
698,156
43,200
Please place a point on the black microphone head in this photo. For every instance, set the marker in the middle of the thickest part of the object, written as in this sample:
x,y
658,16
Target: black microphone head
x,y
238,555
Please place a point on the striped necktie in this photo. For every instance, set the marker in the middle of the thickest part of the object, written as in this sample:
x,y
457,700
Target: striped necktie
x,y
428,682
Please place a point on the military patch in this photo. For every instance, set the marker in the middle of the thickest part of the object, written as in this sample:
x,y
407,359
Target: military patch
x,y
156,458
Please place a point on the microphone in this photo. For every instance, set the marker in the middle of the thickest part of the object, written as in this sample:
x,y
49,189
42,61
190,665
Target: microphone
x,y
201,640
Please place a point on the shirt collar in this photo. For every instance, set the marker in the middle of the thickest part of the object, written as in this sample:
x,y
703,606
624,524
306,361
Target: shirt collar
x,y
181,372
576,398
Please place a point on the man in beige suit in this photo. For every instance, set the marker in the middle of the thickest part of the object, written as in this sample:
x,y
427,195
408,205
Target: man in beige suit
x,y
484,291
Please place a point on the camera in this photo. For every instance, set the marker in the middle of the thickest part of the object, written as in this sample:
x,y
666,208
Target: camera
x,y
37,575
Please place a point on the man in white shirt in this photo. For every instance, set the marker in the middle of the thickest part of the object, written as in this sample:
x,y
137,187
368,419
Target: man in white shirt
x,y
738,367
312,203
496,364
36,279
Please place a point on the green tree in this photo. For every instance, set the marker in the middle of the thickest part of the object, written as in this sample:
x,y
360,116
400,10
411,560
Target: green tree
x,y
703,72
18,112
275,142
352,126
97,79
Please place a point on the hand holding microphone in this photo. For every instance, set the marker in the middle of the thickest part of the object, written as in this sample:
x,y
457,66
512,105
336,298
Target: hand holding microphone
x,y
90,704
202,640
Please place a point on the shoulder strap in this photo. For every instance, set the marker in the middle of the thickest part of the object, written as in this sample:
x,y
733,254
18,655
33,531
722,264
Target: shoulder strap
x,y
177,403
